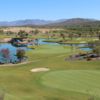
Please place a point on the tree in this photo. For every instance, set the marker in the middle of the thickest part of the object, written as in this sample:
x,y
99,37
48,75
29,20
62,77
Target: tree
x,y
98,34
20,54
37,41
5,54
94,44
36,32
71,36
9,33
1,32
48,34
22,34
97,50
63,36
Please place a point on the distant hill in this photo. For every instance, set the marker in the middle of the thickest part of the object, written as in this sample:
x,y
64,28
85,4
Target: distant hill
x,y
28,22
48,23
74,21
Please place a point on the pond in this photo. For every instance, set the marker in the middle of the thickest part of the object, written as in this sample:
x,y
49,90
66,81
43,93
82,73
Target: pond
x,y
82,46
8,48
12,49
41,42
86,49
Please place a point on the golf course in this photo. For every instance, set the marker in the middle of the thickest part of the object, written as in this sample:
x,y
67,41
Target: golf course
x,y
49,49
65,80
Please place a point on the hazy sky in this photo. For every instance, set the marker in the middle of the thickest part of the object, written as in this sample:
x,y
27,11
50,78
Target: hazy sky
x,y
48,9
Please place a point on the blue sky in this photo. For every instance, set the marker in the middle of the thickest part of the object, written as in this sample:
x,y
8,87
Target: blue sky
x,y
48,9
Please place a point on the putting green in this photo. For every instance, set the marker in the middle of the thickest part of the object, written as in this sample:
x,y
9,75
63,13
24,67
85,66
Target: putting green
x,y
82,81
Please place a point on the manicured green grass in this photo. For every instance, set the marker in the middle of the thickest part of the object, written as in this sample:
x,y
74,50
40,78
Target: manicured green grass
x,y
18,83
74,40
81,81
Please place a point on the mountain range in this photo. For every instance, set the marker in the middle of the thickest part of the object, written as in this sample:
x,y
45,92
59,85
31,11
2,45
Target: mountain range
x,y
38,22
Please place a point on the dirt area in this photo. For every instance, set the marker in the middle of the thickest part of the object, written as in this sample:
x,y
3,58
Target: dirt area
x,y
28,29
5,40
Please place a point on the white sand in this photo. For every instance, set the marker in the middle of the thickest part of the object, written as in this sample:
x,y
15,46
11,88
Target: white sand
x,y
83,42
40,70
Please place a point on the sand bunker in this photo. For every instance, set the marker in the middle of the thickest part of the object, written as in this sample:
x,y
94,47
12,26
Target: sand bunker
x,y
40,70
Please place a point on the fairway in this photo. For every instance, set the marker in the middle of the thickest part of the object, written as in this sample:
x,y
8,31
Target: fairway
x,y
64,80
80,81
